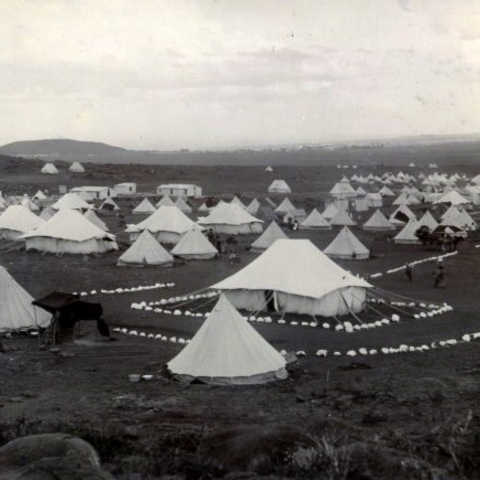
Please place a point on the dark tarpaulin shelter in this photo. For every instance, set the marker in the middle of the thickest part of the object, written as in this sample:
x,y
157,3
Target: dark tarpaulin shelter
x,y
67,309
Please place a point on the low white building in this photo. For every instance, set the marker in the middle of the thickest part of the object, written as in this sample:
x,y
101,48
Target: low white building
x,y
94,193
127,188
180,190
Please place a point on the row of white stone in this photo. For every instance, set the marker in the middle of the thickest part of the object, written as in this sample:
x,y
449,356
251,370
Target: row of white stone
x,y
127,289
416,262
403,348
170,301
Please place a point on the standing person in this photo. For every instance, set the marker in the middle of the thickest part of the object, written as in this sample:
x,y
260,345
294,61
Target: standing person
x,y
439,276
408,272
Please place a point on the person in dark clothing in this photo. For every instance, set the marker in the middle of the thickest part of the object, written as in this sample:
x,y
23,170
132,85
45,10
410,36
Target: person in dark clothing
x,y
408,272
439,277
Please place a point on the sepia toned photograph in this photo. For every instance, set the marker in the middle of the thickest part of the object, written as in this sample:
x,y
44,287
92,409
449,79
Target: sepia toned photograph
x,y
239,239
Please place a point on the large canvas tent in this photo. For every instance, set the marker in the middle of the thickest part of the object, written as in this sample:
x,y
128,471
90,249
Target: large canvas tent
x,y
407,234
347,247
194,246
227,350
231,219
272,233
315,221
17,312
76,167
91,216
144,207
279,186
68,231
17,220
295,276
167,224
49,168
378,223
71,201
145,251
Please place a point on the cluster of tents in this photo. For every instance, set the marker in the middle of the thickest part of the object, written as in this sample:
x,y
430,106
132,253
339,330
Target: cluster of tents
x,y
51,169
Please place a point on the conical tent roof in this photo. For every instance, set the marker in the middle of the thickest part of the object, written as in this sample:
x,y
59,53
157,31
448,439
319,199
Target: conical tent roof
x,y
91,216
346,245
279,186
71,201
183,205
407,234
165,201
386,192
330,211
230,214
109,204
228,350
145,251
47,213
166,219
19,219
194,245
253,207
272,233
39,196
342,218
76,167
285,207
236,200
428,221
401,199
315,221
32,206
49,168
70,225
343,189
145,206
292,266
453,197
17,312
361,191
379,222
402,215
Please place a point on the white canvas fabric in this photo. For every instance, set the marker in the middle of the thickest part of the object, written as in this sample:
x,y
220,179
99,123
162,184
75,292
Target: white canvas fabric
x,y
194,246
49,168
165,201
236,200
378,222
398,217
76,167
285,207
181,204
330,211
231,219
407,234
228,350
454,198
279,186
315,221
39,196
71,201
68,231
253,206
110,204
272,233
91,216
17,312
32,206
167,225
342,218
145,251
47,213
428,221
343,189
17,220
144,207
347,246
374,200
300,278
386,192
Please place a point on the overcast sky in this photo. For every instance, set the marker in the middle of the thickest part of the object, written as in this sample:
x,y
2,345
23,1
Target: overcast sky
x,y
169,74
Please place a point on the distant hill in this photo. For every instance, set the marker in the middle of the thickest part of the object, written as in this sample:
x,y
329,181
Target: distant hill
x,y
63,148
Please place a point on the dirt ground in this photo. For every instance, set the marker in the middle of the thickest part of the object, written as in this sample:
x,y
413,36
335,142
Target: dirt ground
x,y
416,414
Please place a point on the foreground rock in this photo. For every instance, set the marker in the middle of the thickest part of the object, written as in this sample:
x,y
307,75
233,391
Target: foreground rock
x,y
53,456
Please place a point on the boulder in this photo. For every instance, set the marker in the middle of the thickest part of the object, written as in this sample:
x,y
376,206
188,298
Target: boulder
x,y
52,456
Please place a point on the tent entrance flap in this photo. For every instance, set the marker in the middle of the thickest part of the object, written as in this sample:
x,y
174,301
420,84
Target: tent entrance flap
x,y
270,301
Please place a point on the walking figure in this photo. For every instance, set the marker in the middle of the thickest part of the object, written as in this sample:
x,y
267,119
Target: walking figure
x,y
408,272
439,277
